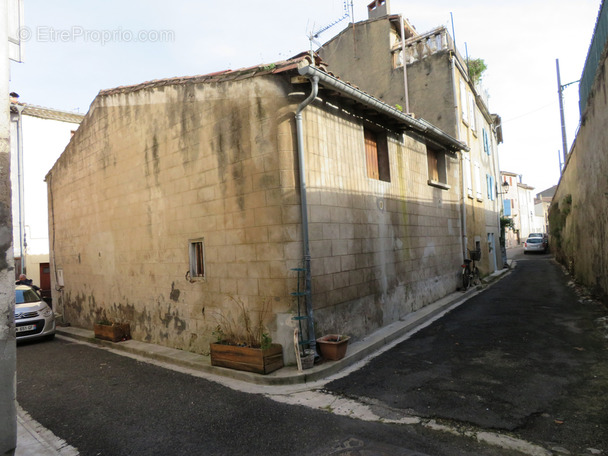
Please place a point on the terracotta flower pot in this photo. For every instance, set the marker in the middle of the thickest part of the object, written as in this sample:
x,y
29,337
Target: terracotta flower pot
x,y
333,346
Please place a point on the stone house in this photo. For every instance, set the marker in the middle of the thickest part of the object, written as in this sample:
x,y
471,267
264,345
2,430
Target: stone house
x,y
177,197
578,215
434,84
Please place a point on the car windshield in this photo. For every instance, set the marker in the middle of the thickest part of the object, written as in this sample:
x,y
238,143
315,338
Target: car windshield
x,y
22,296
534,235
534,240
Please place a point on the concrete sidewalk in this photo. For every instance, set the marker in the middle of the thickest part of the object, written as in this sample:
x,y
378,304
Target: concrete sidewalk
x,y
33,439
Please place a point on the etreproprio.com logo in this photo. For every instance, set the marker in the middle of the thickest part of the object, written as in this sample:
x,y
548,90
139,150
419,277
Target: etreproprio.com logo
x,y
46,34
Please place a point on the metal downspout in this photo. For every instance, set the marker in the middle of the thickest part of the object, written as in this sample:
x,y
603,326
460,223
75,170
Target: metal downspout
x,y
406,95
465,240
21,189
304,206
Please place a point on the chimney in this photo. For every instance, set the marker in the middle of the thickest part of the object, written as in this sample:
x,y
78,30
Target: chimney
x,y
378,8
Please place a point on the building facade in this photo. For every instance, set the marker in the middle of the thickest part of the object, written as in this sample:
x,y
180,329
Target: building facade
x,y
423,74
176,197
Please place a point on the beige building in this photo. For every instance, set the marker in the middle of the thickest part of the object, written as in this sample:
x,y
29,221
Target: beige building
x,y
436,86
578,216
38,136
175,196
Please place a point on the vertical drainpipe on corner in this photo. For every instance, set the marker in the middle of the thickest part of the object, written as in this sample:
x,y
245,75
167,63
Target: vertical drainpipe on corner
x,y
465,240
302,174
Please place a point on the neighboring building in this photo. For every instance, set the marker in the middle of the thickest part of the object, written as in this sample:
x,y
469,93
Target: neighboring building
x,y
38,136
436,86
175,195
542,203
579,213
519,205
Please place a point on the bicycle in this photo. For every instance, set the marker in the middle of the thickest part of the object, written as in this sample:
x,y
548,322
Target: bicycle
x,y
470,272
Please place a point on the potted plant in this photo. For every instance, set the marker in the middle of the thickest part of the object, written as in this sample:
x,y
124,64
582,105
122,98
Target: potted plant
x,y
333,346
111,330
243,343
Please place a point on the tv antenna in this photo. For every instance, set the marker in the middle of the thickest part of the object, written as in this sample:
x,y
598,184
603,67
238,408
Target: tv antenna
x,y
312,37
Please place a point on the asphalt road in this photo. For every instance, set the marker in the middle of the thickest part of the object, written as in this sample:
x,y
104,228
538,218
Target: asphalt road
x,y
107,404
527,357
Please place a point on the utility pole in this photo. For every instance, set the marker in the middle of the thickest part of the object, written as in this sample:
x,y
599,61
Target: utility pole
x,y
560,92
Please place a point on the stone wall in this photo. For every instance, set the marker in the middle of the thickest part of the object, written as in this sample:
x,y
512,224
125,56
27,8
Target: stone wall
x,y
151,169
578,217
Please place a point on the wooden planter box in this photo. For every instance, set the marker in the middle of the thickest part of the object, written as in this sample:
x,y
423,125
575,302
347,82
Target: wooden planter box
x,y
247,358
333,346
113,333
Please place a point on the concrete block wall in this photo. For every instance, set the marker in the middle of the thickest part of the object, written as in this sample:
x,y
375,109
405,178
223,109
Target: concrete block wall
x,y
379,249
151,169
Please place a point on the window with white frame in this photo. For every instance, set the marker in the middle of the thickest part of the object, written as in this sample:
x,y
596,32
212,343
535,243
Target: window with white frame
x,y
477,176
467,175
472,107
463,102
196,252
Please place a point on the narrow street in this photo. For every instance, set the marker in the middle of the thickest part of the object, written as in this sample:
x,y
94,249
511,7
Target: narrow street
x,y
525,359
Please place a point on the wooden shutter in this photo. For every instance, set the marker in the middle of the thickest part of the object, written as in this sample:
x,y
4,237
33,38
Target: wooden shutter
x,y
371,154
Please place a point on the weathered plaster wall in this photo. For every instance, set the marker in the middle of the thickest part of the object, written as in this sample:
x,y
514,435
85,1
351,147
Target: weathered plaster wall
x,y
578,217
357,61
434,94
149,170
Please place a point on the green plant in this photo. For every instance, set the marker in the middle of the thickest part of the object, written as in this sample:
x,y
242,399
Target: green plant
x,y
399,107
476,69
243,326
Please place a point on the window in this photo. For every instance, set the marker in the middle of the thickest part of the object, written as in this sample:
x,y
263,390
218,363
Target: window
x,y
467,175
477,176
486,142
463,102
472,107
490,185
507,207
376,155
437,167
197,258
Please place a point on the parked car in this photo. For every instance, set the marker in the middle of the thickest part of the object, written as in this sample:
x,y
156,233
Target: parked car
x,y
535,244
543,236
33,317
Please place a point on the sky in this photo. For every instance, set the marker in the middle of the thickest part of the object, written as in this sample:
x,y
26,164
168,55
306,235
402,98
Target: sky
x,y
74,49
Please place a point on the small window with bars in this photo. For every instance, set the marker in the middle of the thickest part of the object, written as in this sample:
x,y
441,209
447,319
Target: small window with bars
x,y
197,258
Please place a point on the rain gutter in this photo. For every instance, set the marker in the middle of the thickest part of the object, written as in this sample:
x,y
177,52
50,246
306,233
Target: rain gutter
x,y
420,126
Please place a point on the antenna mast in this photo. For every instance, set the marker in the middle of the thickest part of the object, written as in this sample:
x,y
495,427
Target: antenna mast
x,y
312,37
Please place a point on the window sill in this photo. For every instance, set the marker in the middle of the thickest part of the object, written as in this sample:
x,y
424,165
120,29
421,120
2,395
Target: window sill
x,y
437,184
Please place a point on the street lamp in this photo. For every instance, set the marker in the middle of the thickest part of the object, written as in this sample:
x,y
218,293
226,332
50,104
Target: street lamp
x,y
505,187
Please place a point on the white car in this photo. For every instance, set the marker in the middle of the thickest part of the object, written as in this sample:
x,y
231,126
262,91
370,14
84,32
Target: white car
x,y
33,317
535,244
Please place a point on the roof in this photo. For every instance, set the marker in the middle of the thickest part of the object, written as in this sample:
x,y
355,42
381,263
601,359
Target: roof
x,y
219,76
337,89
47,113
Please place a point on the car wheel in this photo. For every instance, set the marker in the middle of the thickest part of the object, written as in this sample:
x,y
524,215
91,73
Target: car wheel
x,y
525,253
